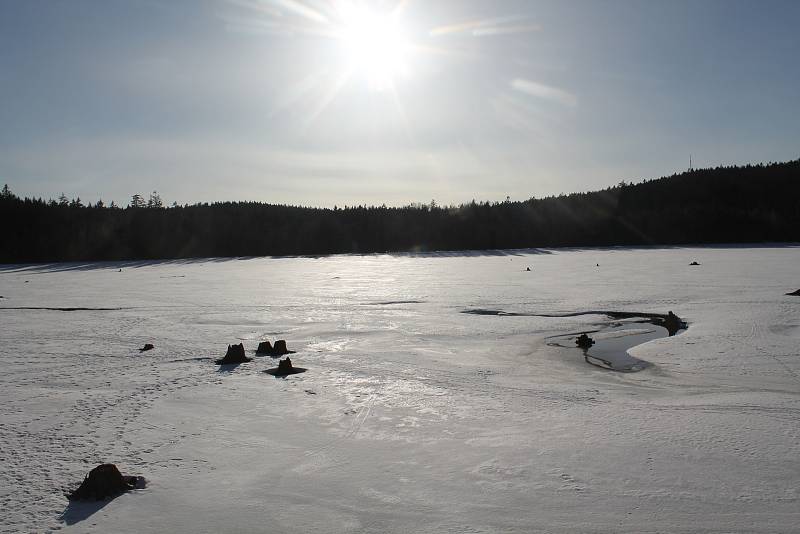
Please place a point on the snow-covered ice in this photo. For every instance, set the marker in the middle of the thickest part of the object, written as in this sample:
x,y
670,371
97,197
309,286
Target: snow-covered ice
x,y
412,416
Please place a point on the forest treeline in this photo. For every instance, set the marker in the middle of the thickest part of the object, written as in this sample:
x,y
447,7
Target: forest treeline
x,y
741,204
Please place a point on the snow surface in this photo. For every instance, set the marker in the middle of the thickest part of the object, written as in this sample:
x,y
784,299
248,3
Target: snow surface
x,y
412,416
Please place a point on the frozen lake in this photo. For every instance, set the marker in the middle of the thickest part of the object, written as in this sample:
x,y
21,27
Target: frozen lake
x,y
412,416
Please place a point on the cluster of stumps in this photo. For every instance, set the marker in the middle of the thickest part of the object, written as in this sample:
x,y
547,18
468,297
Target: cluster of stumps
x,y
236,355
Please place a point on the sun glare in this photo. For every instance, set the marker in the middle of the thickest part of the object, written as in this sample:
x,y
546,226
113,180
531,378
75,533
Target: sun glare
x,y
378,45
374,47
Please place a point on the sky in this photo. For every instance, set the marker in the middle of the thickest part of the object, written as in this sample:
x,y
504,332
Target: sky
x,y
324,103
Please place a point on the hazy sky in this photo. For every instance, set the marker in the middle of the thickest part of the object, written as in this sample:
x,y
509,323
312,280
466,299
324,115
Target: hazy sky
x,y
322,103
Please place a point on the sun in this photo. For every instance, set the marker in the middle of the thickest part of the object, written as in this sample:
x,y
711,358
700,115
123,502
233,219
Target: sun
x,y
374,46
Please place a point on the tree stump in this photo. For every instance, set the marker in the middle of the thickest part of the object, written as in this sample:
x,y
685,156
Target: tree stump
x,y
265,347
673,323
103,481
584,341
285,368
235,354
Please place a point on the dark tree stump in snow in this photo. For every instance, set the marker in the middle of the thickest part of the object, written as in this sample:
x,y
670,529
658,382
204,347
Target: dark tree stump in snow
x,y
280,348
673,323
284,368
235,354
147,346
103,481
584,341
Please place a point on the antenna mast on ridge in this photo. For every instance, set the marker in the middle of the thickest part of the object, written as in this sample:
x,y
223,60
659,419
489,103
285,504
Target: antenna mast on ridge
x,y
690,163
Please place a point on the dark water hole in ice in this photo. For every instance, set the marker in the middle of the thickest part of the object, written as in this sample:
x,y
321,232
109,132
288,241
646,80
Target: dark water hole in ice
x,y
611,345
612,340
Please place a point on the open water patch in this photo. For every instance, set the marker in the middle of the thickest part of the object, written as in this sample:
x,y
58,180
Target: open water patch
x,y
611,340
611,345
